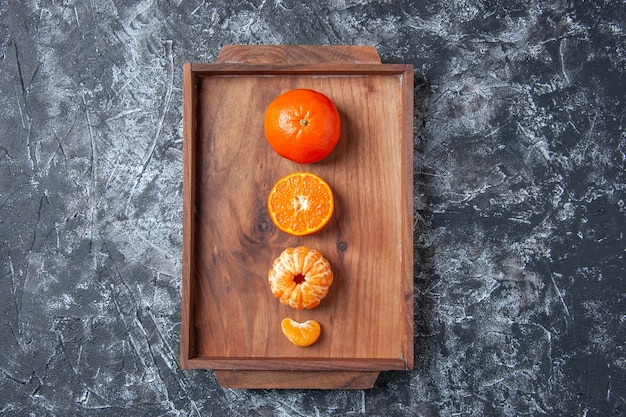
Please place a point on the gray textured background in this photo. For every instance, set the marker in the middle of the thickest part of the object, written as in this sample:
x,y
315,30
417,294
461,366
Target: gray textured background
x,y
520,297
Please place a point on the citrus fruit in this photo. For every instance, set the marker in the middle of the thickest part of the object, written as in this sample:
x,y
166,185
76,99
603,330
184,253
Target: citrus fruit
x,y
301,334
302,125
300,277
300,203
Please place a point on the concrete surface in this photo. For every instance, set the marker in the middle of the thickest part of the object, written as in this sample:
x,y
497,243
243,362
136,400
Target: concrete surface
x,y
520,146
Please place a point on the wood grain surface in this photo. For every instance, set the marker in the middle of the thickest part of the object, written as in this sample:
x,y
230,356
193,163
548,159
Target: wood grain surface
x,y
298,54
296,379
231,321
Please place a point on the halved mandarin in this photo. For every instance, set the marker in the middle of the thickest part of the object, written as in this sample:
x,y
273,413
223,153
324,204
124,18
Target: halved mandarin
x,y
300,203
301,334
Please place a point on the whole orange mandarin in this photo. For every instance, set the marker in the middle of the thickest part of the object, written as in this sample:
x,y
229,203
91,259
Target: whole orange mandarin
x,y
302,125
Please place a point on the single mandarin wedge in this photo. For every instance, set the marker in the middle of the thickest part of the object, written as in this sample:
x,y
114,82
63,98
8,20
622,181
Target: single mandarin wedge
x,y
301,334
300,203
302,125
300,277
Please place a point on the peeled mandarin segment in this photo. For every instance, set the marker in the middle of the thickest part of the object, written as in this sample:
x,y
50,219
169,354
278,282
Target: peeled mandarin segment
x,y
300,203
301,334
300,257
317,277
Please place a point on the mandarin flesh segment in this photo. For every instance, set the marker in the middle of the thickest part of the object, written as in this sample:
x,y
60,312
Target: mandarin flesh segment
x,y
301,334
300,277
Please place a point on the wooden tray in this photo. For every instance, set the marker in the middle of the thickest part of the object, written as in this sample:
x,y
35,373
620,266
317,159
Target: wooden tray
x,y
230,320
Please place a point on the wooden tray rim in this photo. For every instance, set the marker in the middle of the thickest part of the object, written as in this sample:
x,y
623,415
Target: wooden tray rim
x,y
207,69
293,363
